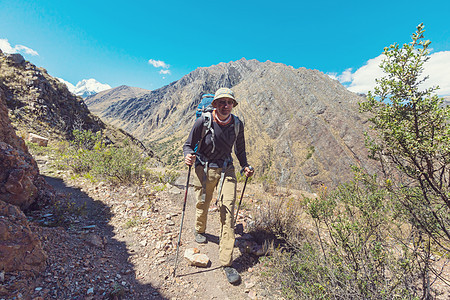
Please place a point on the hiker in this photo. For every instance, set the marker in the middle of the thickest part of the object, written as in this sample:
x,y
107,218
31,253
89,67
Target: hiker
x,y
214,169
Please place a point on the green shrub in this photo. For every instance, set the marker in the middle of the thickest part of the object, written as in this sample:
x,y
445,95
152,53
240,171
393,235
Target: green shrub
x,y
411,139
375,238
35,149
359,250
300,274
311,151
125,165
88,154
86,139
132,222
362,242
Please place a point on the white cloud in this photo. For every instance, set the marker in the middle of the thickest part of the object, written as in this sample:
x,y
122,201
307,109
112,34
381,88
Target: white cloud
x,y
158,63
438,68
6,47
346,76
27,50
363,79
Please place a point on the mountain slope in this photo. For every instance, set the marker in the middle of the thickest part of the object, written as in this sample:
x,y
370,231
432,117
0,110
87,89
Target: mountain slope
x,y
303,128
39,103
99,102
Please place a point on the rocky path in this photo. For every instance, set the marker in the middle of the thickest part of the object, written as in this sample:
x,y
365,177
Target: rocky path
x,y
210,282
115,242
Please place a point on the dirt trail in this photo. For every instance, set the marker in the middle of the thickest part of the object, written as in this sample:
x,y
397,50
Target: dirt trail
x,y
103,253
211,283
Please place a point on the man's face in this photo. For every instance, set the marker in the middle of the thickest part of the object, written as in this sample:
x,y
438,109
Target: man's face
x,y
224,107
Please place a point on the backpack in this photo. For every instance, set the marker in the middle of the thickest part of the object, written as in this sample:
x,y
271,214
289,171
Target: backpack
x,y
205,105
205,109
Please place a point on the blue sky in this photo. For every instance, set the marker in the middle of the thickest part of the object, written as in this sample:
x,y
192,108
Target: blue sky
x,y
149,44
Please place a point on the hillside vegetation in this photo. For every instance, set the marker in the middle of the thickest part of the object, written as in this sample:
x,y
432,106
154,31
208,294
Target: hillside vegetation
x,y
39,103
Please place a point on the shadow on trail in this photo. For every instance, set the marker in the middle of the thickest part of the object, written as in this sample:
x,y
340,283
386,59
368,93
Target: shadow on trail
x,y
200,271
212,238
263,240
109,260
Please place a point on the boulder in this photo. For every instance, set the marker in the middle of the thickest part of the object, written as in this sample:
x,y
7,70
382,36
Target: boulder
x,y
20,249
195,258
20,183
7,133
38,140
18,177
16,58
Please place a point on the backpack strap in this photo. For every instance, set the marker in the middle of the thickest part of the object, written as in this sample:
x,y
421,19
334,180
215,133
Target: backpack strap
x,y
207,127
237,124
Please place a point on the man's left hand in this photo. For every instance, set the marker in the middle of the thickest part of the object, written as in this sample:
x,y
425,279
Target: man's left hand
x,y
249,171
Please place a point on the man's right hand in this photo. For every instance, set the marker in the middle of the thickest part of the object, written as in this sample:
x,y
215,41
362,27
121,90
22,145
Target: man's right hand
x,y
189,159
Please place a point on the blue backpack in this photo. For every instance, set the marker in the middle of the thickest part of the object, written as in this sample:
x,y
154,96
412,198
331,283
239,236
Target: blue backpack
x,y
205,108
205,105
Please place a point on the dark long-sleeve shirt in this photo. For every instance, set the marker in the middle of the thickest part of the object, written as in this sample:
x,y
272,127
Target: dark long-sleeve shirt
x,y
224,137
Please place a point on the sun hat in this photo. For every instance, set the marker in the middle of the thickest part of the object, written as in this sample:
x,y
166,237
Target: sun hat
x,y
224,93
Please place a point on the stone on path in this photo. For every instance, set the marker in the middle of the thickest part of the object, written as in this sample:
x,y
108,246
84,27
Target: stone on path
x,y
37,139
196,258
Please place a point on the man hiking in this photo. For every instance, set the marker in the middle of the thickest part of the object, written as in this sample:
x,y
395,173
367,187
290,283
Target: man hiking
x,y
213,136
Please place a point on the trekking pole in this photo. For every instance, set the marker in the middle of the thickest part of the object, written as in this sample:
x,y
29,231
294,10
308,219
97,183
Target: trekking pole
x,y
182,219
242,195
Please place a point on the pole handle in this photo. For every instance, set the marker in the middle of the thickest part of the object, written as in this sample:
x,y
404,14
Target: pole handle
x,y
242,170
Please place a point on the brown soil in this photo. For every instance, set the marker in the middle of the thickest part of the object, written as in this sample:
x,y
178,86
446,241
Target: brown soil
x,y
107,242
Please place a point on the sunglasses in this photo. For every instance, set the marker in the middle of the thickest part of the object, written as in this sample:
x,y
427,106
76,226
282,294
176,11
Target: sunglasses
x,y
225,102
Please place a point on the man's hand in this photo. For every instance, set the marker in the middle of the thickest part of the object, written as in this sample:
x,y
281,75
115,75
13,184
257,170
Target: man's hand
x,y
189,159
249,171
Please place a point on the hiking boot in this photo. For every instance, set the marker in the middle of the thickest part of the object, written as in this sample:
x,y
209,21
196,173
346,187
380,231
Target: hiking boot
x,y
232,275
200,237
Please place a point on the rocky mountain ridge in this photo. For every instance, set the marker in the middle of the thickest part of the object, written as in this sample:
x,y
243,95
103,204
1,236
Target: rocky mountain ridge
x,y
97,103
39,103
21,186
303,128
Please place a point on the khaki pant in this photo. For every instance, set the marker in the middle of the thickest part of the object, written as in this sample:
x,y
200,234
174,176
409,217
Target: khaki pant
x,y
226,206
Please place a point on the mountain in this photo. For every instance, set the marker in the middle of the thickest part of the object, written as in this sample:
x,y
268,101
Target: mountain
x,y
86,87
39,103
446,100
100,101
303,129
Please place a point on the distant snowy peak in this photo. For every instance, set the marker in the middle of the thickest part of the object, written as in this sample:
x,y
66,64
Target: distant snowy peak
x,y
86,87
70,86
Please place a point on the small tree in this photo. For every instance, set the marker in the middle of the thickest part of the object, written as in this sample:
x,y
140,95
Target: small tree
x,y
412,133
